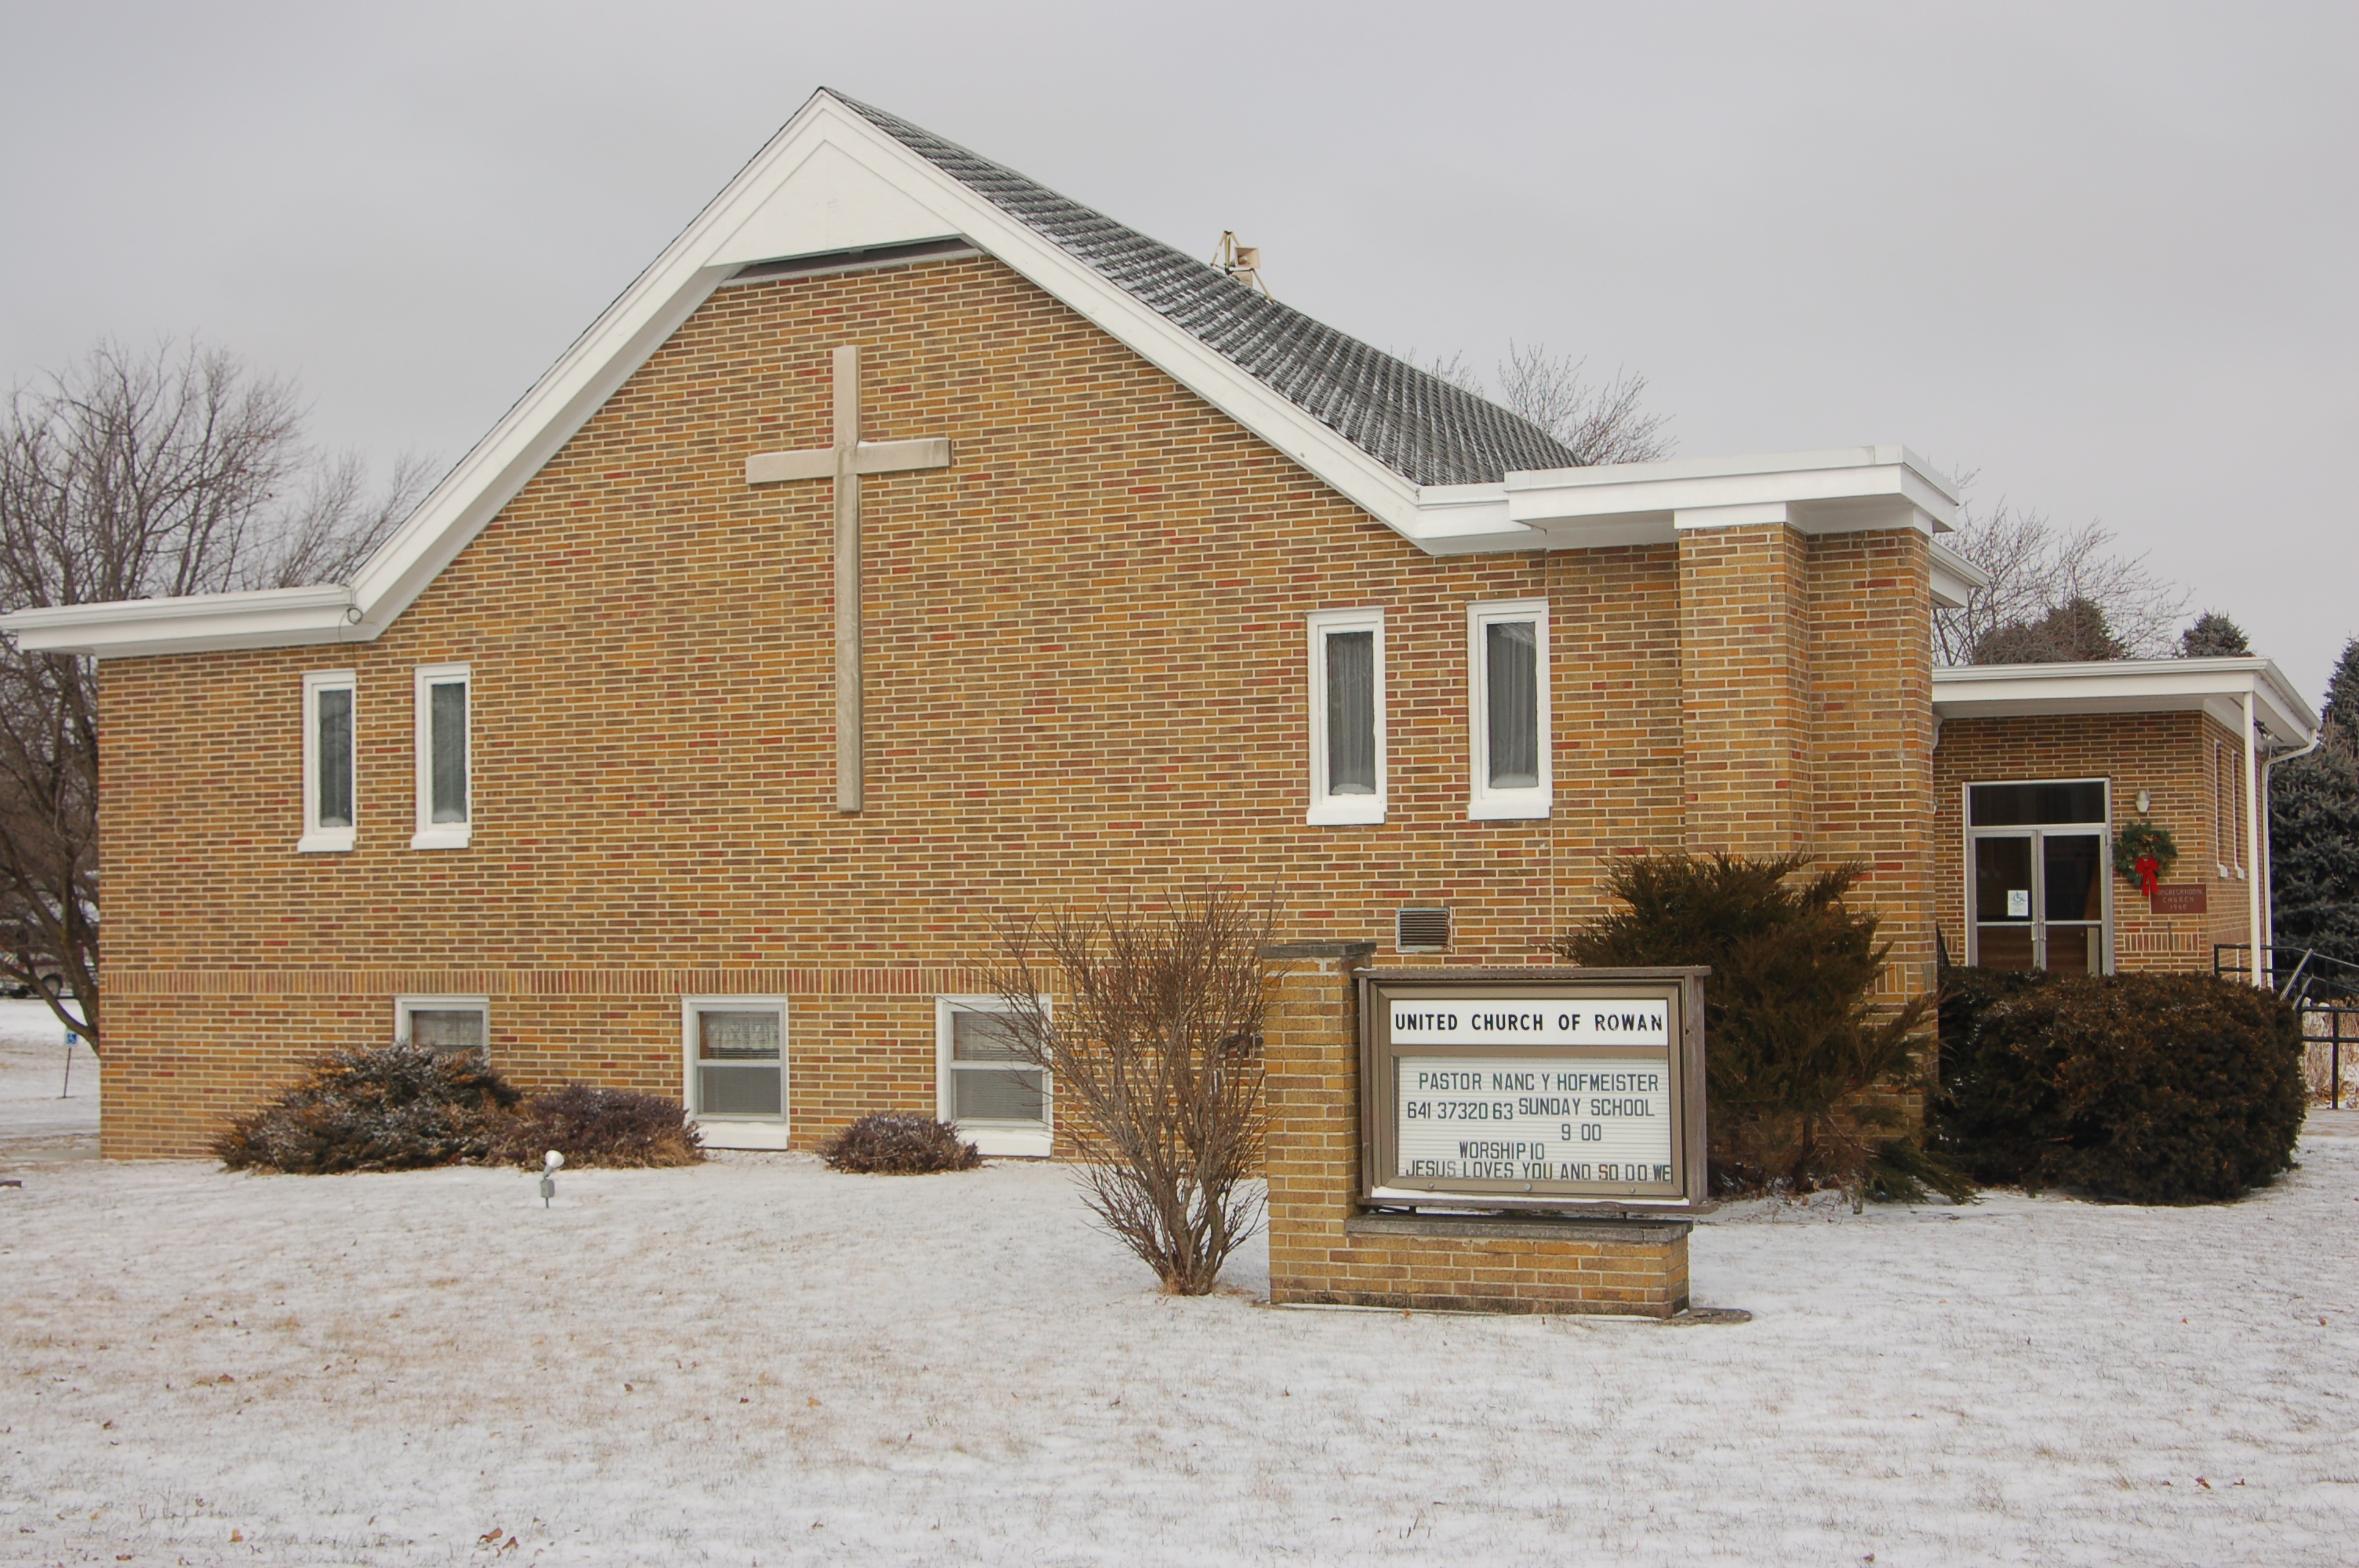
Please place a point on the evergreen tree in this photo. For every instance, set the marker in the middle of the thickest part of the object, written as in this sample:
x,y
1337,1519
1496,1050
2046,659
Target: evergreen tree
x,y
2314,831
2212,636
2073,632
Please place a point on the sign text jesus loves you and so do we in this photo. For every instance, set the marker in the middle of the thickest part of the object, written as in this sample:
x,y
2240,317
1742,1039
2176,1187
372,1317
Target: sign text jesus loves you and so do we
x,y
1602,1116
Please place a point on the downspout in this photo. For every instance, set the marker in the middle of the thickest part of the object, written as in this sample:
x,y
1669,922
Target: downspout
x,y
2268,861
2253,846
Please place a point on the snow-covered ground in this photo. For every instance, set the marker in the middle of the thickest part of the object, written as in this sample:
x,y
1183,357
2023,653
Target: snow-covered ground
x,y
48,1107
758,1361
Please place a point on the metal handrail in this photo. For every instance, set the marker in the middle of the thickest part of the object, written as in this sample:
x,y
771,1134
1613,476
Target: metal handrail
x,y
2333,1043
2348,979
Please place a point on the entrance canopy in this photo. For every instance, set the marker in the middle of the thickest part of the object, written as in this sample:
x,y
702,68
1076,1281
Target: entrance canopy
x,y
2281,721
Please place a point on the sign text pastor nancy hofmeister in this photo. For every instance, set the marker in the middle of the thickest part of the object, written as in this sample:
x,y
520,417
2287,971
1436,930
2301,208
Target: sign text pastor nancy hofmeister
x,y
1600,1117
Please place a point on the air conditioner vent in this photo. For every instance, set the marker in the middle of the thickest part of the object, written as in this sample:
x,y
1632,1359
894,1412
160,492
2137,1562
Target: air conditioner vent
x,y
1421,930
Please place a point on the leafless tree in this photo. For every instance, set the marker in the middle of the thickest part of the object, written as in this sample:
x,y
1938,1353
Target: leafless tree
x,y
137,476
1602,422
1150,1025
2040,576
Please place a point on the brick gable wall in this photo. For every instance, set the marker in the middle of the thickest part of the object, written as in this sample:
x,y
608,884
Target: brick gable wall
x,y
1085,680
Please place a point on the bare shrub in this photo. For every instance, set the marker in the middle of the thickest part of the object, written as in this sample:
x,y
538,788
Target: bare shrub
x,y
395,1107
896,1143
593,1126
1150,1025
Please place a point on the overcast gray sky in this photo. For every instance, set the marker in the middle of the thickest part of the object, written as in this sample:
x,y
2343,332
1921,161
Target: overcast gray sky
x,y
2102,255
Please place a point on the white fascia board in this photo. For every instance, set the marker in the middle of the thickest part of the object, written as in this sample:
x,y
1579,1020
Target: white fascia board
x,y
1468,520
1954,576
2129,686
268,618
1845,490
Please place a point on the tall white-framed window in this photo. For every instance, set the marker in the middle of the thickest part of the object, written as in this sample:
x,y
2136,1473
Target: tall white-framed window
x,y
1347,716
1507,709
733,1059
2227,829
329,785
448,1023
1001,1102
445,763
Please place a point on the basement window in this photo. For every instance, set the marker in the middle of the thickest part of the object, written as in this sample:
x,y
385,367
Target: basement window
x,y
983,1085
734,1048
1347,717
447,1025
328,780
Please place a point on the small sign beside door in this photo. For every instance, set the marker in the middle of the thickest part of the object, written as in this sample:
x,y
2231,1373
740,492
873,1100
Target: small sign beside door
x,y
2183,898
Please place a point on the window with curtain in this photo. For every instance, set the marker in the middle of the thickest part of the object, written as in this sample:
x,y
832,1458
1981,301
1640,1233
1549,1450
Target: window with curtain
x,y
1351,713
445,783
328,803
999,1100
1507,717
740,1057
449,700
1347,716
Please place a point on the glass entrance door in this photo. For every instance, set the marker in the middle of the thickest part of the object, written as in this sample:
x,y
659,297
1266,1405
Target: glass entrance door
x,y
2007,934
2037,875
2054,919
2072,903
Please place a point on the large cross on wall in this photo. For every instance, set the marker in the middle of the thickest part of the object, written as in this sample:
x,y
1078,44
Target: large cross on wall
x,y
844,462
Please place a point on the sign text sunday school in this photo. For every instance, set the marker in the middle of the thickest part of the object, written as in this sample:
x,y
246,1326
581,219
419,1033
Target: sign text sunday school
x,y
1532,1117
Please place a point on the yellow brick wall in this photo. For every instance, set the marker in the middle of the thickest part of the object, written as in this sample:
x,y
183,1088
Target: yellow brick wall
x,y
1085,679
2169,755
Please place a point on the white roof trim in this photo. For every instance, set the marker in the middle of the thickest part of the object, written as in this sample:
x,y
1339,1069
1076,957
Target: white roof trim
x,y
1954,577
270,618
2131,686
1841,491
830,181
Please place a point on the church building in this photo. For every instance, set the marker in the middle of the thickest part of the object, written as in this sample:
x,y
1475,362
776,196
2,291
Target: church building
x,y
910,548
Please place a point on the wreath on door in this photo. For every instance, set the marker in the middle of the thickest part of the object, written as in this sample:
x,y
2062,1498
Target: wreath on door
x,y
2144,851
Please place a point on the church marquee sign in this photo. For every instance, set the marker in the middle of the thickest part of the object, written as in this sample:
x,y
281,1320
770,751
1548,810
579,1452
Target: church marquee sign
x,y
1553,1090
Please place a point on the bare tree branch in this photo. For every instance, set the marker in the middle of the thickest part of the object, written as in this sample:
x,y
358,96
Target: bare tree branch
x,y
137,476
2038,574
1602,422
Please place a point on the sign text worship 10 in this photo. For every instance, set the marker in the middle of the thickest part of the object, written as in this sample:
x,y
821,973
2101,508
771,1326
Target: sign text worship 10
x,y
1570,1090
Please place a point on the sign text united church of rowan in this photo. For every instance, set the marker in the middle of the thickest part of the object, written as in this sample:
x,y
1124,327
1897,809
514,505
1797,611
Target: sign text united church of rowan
x,y
1598,1116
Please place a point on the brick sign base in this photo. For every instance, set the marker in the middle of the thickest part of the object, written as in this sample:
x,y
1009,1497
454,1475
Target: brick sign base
x,y
1324,1251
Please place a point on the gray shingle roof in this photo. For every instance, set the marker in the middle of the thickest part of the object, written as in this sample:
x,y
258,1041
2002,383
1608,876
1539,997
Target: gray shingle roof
x,y
1414,423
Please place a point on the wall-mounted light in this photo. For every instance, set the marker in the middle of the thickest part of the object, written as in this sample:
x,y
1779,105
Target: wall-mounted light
x,y
2145,802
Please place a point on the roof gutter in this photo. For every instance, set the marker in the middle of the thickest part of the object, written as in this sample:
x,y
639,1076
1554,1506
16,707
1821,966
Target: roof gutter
x,y
267,618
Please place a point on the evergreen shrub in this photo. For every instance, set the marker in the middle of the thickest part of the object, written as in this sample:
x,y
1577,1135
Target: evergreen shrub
x,y
2157,1088
395,1107
894,1143
592,1126
1800,1062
